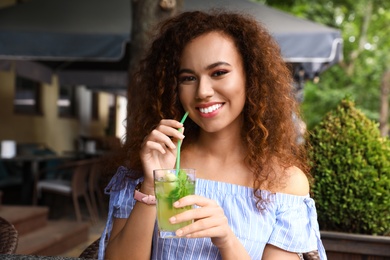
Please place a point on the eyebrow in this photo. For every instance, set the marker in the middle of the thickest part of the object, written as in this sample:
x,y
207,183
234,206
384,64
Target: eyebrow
x,y
216,64
211,66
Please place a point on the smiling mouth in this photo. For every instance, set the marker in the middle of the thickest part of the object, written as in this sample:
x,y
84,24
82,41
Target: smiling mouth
x,y
210,109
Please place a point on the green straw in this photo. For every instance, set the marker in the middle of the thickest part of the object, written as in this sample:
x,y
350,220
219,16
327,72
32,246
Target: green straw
x,y
179,145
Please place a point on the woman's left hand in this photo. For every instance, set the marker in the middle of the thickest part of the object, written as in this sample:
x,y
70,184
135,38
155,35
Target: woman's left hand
x,y
209,221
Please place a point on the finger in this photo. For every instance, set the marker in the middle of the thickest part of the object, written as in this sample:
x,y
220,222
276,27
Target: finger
x,y
173,125
194,200
208,227
210,232
163,133
197,214
171,131
162,138
171,122
151,145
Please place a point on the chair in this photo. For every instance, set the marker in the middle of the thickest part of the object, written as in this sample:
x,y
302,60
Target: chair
x,y
9,178
312,255
95,191
76,187
91,252
8,237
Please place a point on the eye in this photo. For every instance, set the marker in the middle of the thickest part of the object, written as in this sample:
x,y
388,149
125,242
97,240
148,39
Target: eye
x,y
186,78
219,73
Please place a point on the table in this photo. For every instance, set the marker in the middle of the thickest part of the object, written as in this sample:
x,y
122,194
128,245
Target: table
x,y
81,155
30,171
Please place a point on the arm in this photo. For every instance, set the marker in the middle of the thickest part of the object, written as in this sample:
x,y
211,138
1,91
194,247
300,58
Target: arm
x,y
234,250
131,238
138,229
274,253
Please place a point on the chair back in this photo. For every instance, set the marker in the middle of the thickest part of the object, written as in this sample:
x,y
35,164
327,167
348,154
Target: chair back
x,y
312,255
80,176
94,175
91,252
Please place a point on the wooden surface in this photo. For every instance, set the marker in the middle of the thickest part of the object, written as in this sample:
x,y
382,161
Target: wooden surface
x,y
340,246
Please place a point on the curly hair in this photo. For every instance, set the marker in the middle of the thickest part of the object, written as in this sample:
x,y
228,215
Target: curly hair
x,y
269,131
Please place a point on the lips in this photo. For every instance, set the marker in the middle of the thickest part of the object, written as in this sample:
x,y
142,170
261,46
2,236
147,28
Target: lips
x,y
210,109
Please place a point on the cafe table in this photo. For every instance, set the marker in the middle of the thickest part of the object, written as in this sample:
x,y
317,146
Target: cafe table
x,y
30,171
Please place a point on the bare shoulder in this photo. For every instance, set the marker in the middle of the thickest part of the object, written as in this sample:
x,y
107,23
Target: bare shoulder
x,y
296,182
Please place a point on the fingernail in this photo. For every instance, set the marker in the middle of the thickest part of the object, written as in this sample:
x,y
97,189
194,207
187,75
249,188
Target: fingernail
x,y
172,220
179,232
176,204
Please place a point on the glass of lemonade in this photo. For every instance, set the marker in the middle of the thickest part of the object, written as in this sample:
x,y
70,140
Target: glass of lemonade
x,y
169,187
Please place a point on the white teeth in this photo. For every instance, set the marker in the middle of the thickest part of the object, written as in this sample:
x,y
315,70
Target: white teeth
x,y
210,108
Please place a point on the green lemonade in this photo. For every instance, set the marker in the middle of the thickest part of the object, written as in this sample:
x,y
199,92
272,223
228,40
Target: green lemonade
x,y
169,189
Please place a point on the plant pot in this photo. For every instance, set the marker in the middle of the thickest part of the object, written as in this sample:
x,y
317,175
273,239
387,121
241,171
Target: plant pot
x,y
346,246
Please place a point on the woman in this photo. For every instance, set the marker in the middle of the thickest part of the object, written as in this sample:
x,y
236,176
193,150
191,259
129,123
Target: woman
x,y
252,179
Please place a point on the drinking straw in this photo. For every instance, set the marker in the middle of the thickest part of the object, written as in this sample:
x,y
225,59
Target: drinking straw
x,y
179,145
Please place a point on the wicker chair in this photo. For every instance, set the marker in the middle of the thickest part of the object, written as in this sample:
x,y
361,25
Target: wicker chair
x,y
8,237
91,252
312,255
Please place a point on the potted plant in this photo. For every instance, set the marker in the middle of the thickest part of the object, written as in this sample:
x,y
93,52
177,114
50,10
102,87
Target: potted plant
x,y
351,187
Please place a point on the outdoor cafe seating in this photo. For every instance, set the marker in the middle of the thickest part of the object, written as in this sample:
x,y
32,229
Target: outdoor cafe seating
x,y
19,169
8,237
75,179
72,179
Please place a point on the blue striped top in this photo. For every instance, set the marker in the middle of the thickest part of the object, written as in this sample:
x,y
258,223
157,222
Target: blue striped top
x,y
287,221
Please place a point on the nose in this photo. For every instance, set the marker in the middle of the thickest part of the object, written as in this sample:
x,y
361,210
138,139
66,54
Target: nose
x,y
205,88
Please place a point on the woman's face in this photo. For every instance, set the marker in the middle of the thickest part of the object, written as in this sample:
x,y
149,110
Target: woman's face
x,y
212,82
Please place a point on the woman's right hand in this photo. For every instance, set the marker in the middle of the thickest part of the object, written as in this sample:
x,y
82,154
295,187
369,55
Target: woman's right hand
x,y
158,150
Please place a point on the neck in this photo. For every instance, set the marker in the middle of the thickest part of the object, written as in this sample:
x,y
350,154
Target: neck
x,y
221,147
219,158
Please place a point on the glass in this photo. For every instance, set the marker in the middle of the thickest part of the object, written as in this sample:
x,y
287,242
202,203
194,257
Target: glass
x,y
169,187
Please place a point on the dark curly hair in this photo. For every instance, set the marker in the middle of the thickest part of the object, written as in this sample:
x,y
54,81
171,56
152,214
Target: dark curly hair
x,y
269,131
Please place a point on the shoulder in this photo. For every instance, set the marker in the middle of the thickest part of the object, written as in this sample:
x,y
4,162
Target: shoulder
x,y
295,182
122,179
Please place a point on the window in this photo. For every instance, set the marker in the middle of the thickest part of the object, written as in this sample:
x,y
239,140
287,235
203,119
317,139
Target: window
x,y
66,102
27,98
95,106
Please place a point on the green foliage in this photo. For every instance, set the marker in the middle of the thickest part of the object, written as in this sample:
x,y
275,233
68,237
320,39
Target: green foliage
x,y
351,168
324,98
366,55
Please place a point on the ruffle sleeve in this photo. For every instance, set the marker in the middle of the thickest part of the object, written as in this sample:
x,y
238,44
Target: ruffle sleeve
x,y
121,189
296,228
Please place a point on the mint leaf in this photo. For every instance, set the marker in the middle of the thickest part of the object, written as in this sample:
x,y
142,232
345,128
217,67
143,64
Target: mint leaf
x,y
184,186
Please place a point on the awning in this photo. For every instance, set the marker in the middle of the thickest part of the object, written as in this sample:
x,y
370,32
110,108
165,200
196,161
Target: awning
x,y
301,41
89,37
65,30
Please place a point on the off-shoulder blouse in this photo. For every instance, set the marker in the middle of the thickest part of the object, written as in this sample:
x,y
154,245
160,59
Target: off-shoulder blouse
x,y
285,221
